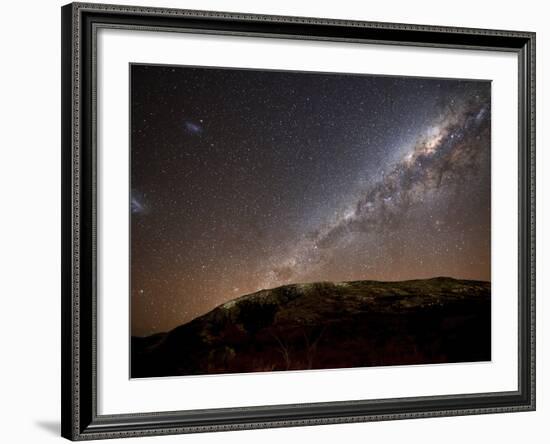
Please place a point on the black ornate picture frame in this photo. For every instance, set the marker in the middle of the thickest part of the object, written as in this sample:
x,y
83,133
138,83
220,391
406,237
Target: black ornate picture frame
x,y
80,418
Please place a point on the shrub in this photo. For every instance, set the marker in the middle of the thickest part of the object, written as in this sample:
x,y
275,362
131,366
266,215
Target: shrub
x,y
256,315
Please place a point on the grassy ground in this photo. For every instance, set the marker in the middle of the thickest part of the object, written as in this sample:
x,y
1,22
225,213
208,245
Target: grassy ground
x,y
328,325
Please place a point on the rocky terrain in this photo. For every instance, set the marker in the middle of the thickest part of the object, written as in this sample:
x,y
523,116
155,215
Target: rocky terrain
x,y
327,325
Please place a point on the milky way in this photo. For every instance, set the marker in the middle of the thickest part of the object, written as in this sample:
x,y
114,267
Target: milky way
x,y
245,179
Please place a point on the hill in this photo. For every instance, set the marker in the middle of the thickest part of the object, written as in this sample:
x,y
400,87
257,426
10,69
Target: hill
x,y
328,325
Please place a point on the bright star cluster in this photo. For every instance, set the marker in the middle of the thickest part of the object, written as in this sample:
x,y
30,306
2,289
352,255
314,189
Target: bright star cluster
x,y
250,179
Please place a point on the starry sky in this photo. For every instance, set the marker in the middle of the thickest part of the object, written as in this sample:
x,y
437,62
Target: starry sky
x,y
250,179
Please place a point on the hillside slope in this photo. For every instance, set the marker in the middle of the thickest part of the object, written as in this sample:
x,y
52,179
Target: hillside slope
x,y
328,325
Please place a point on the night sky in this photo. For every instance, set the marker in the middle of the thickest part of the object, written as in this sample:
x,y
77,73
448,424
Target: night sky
x,y
251,179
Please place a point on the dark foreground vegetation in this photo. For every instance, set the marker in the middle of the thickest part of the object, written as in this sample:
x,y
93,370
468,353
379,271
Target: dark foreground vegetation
x,y
328,325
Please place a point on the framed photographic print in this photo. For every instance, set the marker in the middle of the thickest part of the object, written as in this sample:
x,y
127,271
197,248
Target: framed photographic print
x,y
279,221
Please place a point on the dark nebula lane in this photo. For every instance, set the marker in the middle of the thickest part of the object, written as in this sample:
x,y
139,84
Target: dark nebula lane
x,y
245,179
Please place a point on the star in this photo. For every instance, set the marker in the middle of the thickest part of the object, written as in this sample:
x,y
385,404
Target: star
x,y
278,177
